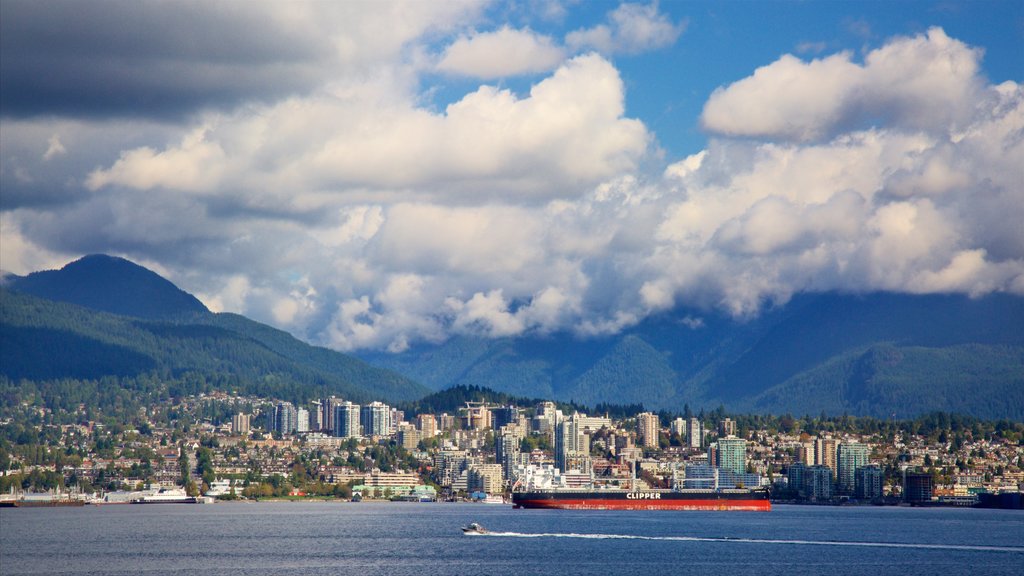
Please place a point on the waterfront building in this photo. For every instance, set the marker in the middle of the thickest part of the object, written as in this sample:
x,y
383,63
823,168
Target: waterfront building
x,y
850,457
868,482
706,477
648,427
795,476
240,424
448,464
918,487
485,478
346,420
825,453
695,433
375,418
302,420
732,454
818,483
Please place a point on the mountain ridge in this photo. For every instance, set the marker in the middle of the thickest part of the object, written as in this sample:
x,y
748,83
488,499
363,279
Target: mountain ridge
x,y
875,354
109,317
777,362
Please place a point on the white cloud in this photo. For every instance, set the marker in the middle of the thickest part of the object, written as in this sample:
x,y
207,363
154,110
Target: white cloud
x,y
631,29
549,143
928,82
503,52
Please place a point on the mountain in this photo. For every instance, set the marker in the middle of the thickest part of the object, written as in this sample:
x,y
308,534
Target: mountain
x,y
111,284
104,318
875,354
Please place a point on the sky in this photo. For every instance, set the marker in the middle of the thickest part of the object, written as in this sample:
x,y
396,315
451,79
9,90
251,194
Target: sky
x,y
378,175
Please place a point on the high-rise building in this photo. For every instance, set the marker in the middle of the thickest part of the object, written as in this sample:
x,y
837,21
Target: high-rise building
x,y
648,426
408,436
732,454
547,417
477,416
850,457
918,487
240,424
485,478
825,453
427,425
446,421
695,433
818,482
316,416
346,420
506,450
376,419
795,476
329,404
302,420
868,482
727,427
504,415
285,418
805,453
678,427
570,442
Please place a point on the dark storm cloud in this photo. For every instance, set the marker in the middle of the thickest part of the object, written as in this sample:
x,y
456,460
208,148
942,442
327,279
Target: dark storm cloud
x,y
113,58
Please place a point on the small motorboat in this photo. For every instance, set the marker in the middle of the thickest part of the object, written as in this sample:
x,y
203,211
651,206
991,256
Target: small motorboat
x,y
474,529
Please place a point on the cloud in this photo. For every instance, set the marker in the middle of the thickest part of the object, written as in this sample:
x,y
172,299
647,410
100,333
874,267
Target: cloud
x,y
504,52
631,29
120,58
549,143
928,82
353,214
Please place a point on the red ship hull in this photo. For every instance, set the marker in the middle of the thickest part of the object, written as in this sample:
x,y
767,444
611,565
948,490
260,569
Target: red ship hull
x,y
753,501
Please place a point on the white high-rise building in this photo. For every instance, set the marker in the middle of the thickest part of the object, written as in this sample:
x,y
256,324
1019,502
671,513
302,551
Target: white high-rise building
x,y
571,444
376,419
346,420
648,427
695,433
302,420
678,427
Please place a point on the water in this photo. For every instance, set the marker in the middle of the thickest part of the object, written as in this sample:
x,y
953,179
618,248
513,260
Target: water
x,y
424,539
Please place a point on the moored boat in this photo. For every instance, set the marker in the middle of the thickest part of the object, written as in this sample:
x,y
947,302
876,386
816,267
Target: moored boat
x,y
165,496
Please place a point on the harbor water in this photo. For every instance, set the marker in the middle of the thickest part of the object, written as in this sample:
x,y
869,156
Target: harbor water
x,y
275,538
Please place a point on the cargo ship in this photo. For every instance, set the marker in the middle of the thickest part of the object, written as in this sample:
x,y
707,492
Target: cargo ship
x,y
756,499
548,487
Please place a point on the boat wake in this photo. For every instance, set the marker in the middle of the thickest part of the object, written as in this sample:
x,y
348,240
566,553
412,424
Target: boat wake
x,y
972,548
